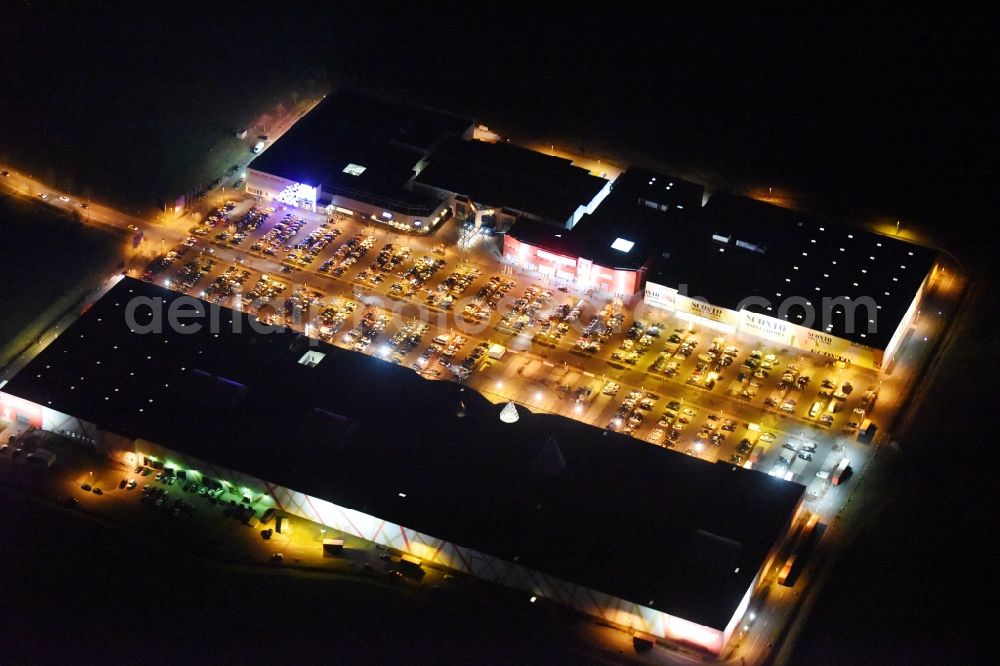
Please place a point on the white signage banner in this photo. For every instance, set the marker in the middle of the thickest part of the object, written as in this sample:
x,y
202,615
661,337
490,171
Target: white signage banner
x,y
713,316
659,296
767,328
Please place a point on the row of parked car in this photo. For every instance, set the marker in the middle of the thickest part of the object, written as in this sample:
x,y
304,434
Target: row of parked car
x,y
443,349
279,236
157,498
348,254
306,250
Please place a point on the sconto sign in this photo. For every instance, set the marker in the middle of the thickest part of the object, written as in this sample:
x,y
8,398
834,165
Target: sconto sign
x,y
705,310
758,323
699,312
768,328
819,338
773,330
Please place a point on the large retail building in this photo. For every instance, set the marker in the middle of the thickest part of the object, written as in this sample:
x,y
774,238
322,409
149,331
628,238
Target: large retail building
x,y
732,264
411,167
793,280
637,535
357,152
738,265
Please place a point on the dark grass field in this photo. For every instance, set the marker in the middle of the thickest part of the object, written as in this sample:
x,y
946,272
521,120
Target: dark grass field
x,y
48,260
128,105
78,590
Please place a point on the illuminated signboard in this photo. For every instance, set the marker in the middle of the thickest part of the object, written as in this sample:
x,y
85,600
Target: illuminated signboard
x,y
298,194
707,310
660,296
276,181
306,193
706,314
820,339
767,328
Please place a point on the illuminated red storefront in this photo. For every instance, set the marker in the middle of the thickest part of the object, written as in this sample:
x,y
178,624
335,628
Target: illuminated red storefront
x,y
584,273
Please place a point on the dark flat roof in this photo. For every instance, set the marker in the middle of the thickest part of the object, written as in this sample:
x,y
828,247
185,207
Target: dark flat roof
x,y
626,518
647,187
621,215
505,175
385,136
593,235
786,253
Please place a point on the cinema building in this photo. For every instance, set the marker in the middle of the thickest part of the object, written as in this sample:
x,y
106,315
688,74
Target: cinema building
x,y
638,536
357,153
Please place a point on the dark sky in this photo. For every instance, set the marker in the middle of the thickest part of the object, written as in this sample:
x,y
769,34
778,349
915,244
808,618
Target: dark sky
x,y
882,110
860,111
